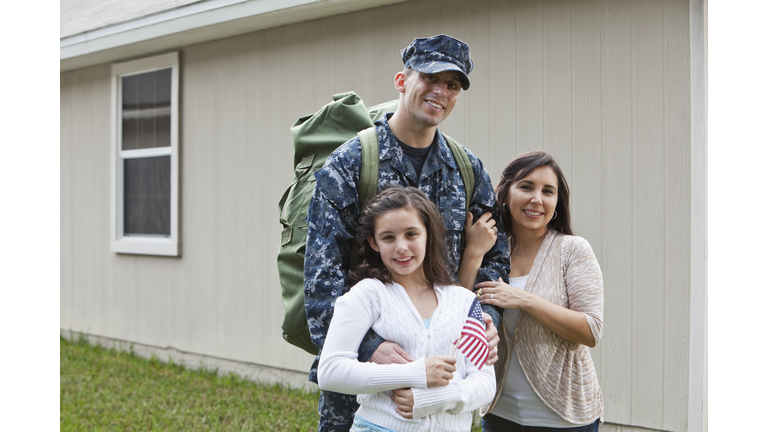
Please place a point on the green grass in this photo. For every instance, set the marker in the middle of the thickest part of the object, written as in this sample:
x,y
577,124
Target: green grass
x,y
104,389
112,390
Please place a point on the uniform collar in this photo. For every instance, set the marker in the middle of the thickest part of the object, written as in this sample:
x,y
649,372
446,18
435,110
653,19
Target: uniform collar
x,y
434,162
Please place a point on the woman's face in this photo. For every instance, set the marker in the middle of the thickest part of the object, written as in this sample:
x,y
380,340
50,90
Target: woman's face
x,y
532,201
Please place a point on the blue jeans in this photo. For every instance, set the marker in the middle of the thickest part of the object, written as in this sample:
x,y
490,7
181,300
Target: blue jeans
x,y
492,423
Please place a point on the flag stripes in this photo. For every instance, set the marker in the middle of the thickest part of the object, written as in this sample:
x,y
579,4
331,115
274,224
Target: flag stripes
x,y
472,342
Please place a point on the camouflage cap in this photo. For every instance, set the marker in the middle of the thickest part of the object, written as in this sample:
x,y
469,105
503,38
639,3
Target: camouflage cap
x,y
438,54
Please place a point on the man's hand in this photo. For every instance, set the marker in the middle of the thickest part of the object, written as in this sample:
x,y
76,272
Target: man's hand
x,y
492,334
391,353
403,399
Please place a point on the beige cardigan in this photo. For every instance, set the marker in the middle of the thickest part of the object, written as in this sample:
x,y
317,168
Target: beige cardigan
x,y
566,273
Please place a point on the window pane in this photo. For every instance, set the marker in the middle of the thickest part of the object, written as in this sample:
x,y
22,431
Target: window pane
x,y
130,107
147,110
147,196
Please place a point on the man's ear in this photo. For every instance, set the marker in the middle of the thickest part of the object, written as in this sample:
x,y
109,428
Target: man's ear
x,y
400,81
372,242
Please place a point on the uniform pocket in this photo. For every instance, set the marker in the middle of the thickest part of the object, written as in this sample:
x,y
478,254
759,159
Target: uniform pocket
x,y
453,209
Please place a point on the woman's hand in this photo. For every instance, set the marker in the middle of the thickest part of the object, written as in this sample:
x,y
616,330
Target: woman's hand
x,y
502,295
440,370
481,235
568,324
403,399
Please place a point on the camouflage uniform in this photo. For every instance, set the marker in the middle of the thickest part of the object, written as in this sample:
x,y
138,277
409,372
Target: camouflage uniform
x,y
332,223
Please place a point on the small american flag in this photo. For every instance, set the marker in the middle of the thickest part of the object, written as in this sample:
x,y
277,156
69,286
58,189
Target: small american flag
x,y
472,341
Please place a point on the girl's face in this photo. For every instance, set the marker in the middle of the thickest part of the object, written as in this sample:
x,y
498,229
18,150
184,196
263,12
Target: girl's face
x,y
401,239
532,201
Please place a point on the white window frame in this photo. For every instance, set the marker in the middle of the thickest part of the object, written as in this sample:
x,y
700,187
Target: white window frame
x,y
135,244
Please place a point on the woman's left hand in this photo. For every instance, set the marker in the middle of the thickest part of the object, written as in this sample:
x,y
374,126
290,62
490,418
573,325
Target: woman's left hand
x,y
568,324
501,294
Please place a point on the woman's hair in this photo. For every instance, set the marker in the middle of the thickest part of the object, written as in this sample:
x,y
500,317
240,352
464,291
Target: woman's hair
x,y
396,197
520,167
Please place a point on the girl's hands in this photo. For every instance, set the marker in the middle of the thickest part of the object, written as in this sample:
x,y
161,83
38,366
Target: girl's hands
x,y
440,370
501,294
403,399
481,235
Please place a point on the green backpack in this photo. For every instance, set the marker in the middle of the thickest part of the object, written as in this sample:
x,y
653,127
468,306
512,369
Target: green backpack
x,y
315,137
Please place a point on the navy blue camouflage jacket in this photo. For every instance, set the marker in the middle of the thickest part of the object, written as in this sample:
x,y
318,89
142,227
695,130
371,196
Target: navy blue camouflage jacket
x,y
334,210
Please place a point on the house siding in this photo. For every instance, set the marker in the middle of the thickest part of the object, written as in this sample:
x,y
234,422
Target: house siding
x,y
603,85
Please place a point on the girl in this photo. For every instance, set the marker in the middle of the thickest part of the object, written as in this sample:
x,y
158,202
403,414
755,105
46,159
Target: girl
x,y
405,293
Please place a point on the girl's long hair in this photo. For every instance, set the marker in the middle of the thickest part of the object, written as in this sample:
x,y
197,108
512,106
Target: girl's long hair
x,y
396,197
519,168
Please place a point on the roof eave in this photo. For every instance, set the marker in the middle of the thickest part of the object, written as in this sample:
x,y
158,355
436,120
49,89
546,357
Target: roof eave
x,y
195,23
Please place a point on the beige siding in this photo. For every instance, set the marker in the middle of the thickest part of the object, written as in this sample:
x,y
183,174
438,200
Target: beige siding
x,y
604,85
677,143
616,258
648,188
85,270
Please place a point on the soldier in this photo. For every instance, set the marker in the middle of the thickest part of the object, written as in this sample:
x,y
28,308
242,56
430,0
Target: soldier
x,y
411,153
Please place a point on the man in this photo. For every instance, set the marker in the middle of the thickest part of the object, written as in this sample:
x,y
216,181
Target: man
x,y
411,153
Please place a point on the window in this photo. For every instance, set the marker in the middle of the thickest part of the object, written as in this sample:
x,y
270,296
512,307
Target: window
x,y
145,135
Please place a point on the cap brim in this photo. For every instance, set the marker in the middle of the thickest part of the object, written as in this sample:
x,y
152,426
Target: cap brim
x,y
438,66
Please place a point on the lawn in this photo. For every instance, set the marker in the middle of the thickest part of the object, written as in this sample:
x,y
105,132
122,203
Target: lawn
x,y
104,389
107,389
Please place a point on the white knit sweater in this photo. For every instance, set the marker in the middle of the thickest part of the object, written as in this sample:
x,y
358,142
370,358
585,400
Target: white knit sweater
x,y
388,310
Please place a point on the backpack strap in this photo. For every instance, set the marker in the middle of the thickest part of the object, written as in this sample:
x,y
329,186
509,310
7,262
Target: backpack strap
x,y
369,170
369,173
465,167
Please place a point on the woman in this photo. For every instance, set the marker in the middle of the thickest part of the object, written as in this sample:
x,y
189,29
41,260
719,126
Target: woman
x,y
553,307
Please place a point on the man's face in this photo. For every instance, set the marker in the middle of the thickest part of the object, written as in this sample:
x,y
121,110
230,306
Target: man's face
x,y
428,98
